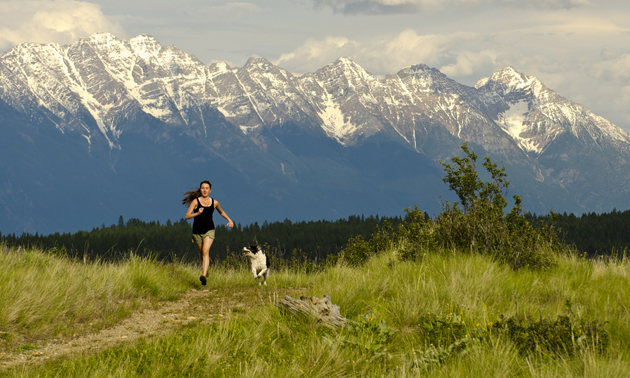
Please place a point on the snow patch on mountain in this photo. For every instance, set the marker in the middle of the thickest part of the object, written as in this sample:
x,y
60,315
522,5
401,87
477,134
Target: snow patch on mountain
x,y
512,121
145,47
104,76
248,129
335,124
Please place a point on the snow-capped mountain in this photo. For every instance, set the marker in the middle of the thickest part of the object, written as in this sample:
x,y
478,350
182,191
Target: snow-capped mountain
x,y
535,115
127,113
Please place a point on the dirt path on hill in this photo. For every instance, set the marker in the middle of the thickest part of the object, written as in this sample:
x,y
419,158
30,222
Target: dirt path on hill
x,y
203,306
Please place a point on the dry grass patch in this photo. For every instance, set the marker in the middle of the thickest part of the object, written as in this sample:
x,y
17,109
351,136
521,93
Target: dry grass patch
x,y
45,296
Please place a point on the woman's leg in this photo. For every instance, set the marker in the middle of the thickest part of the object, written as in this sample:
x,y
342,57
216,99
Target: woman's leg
x,y
200,248
203,277
205,259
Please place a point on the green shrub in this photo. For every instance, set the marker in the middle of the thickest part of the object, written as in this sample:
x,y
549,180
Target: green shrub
x,y
436,355
565,335
416,236
233,260
439,329
445,336
358,250
369,333
478,222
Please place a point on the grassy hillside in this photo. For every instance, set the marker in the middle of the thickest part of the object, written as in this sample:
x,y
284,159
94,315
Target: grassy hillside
x,y
46,295
476,292
436,317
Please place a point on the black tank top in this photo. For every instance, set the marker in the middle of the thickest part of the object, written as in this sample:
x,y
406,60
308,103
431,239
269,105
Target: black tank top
x,y
203,223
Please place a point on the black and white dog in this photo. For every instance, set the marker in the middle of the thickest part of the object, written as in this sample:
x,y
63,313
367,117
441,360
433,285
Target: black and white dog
x,y
259,262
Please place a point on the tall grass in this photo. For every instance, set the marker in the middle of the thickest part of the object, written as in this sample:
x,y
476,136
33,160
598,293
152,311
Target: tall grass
x,y
389,303
44,294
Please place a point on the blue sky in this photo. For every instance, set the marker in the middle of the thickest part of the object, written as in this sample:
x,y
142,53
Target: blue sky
x,y
578,48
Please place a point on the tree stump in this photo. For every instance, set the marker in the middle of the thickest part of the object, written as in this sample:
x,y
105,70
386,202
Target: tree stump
x,y
321,309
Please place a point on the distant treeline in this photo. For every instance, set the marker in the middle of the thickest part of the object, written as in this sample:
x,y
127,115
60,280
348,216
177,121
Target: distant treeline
x,y
602,234
312,241
591,233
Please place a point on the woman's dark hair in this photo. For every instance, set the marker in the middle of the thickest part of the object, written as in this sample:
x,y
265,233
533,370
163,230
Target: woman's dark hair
x,y
191,195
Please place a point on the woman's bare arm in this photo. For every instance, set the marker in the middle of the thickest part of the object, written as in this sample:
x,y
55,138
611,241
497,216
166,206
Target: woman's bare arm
x,y
191,207
223,214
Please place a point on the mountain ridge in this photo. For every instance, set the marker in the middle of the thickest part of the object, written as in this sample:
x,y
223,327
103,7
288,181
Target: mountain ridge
x,y
289,140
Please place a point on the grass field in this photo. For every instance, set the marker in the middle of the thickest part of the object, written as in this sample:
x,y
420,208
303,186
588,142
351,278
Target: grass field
x,y
435,317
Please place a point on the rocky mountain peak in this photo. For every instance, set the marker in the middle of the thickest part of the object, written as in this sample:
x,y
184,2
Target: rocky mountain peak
x,y
28,48
219,67
508,75
419,70
101,38
258,62
345,61
145,46
350,68
337,127
508,79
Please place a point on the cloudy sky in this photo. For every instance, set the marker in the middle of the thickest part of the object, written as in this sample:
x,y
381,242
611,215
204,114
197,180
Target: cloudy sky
x,y
579,48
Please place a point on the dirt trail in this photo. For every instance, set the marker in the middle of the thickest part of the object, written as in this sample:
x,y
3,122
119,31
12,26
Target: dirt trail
x,y
203,306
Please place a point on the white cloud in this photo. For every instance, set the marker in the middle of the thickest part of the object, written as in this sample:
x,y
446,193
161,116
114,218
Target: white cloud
x,y
415,6
235,9
431,49
614,68
59,21
564,61
378,6
469,63
381,55
612,95
314,54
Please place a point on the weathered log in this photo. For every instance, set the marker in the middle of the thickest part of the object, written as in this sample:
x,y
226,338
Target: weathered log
x,y
321,309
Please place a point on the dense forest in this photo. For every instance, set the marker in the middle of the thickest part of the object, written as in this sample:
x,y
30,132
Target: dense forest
x,y
312,241
591,233
602,234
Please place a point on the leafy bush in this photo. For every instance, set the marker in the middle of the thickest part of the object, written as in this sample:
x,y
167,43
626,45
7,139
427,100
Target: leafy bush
x,y
441,329
446,336
358,250
368,333
565,335
233,260
478,222
416,236
436,355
